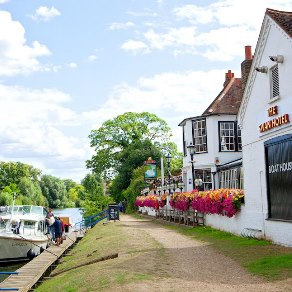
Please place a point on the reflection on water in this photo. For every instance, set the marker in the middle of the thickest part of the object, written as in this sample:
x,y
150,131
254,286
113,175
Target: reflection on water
x,y
76,216
9,268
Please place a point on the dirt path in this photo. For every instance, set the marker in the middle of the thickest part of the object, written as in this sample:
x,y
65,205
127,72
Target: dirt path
x,y
193,266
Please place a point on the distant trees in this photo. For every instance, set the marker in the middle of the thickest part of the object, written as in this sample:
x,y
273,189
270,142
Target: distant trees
x,y
33,188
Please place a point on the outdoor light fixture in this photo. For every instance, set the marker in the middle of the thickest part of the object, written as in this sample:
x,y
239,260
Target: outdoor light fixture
x,y
192,151
277,59
263,69
180,184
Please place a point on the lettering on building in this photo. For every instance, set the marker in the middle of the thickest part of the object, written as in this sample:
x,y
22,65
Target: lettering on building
x,y
275,122
280,167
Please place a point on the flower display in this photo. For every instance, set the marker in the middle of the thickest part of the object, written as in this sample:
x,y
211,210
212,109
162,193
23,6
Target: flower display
x,y
225,202
163,200
140,201
151,201
181,201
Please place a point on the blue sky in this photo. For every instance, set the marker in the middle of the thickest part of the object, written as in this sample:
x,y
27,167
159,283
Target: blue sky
x,y
68,66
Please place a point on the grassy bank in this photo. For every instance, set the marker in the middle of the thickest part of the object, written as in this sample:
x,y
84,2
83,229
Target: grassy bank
x,y
100,241
138,255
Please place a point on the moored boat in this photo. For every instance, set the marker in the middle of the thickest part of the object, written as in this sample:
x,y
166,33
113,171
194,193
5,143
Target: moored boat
x,y
22,233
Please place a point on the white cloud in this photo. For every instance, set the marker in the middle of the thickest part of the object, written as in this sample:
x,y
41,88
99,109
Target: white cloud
x,y
135,46
16,57
217,31
33,128
171,96
121,25
194,14
72,65
46,14
4,1
174,37
91,58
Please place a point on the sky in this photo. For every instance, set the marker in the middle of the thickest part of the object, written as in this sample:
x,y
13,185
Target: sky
x,y
68,66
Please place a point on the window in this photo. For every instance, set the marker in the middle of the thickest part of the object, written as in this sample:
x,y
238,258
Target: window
x,y
231,178
274,81
229,137
184,142
205,176
200,136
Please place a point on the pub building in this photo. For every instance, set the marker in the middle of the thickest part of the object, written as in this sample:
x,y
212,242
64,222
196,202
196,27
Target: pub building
x,y
265,120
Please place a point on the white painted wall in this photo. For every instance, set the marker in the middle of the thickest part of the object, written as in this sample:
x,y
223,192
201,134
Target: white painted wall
x,y
276,43
207,160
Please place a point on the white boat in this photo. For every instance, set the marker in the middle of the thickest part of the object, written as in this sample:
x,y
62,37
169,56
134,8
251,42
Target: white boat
x,y
22,233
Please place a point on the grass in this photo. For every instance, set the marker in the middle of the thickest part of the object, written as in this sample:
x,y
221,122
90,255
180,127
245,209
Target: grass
x,y
100,241
259,257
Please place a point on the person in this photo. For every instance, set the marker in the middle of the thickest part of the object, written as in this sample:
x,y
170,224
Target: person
x,y
124,206
199,183
58,230
50,219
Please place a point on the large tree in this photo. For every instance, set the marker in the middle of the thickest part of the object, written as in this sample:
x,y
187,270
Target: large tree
x,y
116,135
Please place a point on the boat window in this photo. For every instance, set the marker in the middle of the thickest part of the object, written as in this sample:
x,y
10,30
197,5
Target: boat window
x,y
29,224
26,209
37,210
2,223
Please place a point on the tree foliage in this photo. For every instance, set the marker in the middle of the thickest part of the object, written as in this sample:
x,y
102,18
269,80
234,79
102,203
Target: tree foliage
x,y
116,135
121,147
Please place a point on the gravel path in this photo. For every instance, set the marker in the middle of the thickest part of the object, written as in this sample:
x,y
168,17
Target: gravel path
x,y
195,266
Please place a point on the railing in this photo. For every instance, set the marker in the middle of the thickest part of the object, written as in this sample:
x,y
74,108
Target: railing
x,y
9,289
91,220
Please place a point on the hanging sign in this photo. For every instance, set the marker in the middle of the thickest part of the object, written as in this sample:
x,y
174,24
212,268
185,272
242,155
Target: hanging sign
x,y
151,170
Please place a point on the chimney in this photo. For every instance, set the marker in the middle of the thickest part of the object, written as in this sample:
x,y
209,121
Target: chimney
x,y
248,55
245,66
228,76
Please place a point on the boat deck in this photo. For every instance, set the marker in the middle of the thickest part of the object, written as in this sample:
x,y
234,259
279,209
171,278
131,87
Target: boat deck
x,y
33,271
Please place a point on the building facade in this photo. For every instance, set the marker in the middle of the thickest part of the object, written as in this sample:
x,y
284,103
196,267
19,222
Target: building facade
x,y
264,118
216,138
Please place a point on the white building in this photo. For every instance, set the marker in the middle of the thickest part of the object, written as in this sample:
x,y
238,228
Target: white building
x,y
216,137
264,118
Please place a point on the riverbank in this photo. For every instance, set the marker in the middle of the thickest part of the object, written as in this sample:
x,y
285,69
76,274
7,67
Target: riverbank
x,y
155,257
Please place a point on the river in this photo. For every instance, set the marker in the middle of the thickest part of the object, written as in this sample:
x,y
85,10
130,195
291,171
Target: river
x,y
76,216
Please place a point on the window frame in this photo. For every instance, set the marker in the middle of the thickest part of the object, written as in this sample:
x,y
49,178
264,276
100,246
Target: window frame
x,y
237,137
201,137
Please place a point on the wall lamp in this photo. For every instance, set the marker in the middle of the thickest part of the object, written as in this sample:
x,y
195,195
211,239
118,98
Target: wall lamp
x,y
277,59
263,69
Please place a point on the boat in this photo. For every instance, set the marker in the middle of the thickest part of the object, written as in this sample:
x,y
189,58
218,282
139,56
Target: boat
x,y
22,232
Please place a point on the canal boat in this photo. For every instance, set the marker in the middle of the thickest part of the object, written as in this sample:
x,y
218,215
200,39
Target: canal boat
x,y
22,232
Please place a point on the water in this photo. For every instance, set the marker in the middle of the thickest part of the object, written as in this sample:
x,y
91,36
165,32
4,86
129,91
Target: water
x,y
76,216
74,213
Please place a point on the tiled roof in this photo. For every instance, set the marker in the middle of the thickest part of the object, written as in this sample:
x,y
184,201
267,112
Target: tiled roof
x,y
283,18
228,101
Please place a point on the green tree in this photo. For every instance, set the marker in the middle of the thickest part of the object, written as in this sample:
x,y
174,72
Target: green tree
x,y
55,191
13,172
93,185
117,134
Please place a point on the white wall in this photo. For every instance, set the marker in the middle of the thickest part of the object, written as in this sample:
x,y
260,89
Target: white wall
x,y
259,101
207,160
